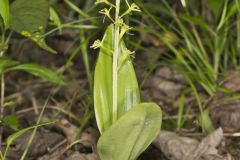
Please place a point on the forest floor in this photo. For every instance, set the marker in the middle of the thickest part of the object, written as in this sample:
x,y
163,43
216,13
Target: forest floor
x,y
71,108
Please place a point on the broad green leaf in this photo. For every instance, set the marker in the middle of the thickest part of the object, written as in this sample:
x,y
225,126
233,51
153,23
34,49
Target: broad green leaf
x,y
4,12
6,63
131,134
11,121
30,19
39,71
128,91
30,16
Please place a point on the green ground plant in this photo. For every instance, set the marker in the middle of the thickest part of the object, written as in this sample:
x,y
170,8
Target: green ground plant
x,y
201,40
85,34
127,126
23,18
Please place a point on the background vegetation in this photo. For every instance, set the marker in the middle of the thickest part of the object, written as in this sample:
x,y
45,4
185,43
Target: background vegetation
x,y
186,56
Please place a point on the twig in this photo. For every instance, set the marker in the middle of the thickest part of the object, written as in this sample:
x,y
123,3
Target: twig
x,y
176,117
237,134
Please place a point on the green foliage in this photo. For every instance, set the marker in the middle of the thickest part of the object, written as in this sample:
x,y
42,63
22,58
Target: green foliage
x,y
128,91
55,19
7,65
11,121
38,39
206,122
4,13
127,126
215,6
205,49
39,71
180,112
30,20
15,135
30,16
131,134
198,21
200,53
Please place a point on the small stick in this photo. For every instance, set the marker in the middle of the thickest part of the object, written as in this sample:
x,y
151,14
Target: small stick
x,y
237,134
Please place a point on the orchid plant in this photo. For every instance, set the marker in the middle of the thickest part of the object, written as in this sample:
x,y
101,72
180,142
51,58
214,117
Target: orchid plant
x,y
127,126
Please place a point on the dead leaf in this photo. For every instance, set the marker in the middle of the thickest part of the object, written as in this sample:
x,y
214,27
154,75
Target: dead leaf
x,y
164,87
176,147
78,156
68,129
227,116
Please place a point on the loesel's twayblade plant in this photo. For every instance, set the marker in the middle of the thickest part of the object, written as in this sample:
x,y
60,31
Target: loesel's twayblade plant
x,y
127,126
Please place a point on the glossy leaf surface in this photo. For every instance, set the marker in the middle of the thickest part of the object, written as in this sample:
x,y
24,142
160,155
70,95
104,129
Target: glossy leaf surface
x,y
128,91
131,134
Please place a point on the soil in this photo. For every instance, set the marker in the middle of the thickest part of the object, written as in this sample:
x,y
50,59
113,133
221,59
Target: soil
x,y
68,105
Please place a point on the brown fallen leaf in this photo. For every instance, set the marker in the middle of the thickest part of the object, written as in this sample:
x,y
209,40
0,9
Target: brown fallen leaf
x,y
164,87
227,116
177,147
68,129
232,80
78,156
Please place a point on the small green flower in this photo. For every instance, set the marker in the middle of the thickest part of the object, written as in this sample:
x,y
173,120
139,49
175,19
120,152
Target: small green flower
x,y
132,8
135,7
106,12
125,56
124,28
97,44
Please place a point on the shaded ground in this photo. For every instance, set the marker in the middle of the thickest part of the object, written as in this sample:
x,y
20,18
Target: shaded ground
x,y
71,106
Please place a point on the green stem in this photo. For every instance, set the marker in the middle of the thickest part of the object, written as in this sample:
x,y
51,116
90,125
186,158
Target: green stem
x,y
83,45
115,60
2,85
2,105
